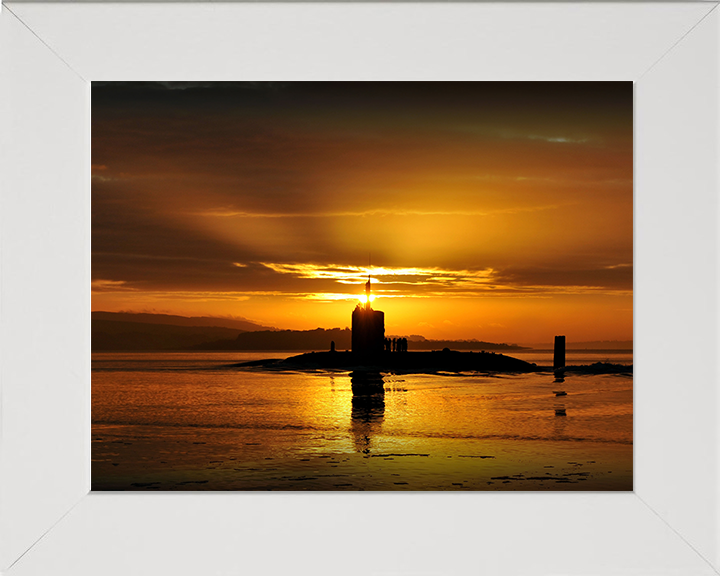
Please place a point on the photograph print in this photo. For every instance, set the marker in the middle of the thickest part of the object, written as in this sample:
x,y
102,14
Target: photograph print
x,y
386,286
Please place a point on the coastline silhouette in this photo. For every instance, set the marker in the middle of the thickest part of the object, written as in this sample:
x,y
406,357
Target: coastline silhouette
x,y
372,350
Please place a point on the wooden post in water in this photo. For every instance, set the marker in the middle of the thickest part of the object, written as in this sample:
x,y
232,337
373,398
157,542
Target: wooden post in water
x,y
559,357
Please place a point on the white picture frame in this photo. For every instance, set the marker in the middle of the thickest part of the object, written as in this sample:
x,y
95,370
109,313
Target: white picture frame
x,y
50,523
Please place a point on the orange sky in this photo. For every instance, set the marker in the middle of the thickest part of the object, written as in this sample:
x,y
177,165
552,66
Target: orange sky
x,y
496,211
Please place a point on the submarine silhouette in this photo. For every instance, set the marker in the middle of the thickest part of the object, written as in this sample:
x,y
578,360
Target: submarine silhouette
x,y
372,351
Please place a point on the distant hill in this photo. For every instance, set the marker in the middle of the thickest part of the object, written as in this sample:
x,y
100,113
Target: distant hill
x,y
114,335
460,345
320,339
168,319
131,331
589,345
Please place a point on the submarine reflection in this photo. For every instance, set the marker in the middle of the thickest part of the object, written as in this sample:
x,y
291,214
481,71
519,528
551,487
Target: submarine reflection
x,y
368,407
560,410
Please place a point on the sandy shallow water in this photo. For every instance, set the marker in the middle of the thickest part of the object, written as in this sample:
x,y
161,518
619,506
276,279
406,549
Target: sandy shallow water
x,y
184,422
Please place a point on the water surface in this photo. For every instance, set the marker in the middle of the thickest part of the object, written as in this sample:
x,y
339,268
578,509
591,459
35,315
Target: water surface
x,y
186,421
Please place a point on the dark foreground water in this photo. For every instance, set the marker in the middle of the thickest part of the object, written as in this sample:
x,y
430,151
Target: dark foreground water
x,y
185,421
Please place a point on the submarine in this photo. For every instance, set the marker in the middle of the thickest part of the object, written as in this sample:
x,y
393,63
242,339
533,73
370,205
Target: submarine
x,y
373,352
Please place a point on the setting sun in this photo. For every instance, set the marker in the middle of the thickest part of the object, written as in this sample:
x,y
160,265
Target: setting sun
x,y
364,298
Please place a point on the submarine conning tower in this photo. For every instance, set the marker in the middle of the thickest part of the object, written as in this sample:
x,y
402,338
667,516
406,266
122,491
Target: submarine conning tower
x,y
368,327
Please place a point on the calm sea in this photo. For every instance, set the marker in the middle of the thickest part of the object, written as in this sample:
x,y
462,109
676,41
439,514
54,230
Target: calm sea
x,y
188,421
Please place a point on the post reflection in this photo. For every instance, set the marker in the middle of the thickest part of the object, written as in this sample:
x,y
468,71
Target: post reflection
x,y
560,410
368,407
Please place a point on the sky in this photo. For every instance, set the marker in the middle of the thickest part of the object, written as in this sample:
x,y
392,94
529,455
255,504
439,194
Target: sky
x,y
501,211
